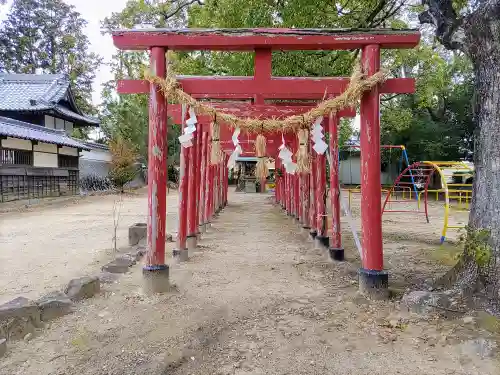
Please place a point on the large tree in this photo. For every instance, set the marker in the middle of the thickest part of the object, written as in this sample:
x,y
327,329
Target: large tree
x,y
126,116
47,36
474,29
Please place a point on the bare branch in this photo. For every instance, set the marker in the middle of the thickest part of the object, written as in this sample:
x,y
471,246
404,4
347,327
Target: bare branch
x,y
180,7
442,15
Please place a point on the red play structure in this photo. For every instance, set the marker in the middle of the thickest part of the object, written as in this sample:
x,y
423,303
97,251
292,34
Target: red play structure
x,y
203,189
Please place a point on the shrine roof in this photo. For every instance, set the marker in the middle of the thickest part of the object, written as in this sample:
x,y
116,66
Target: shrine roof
x,y
274,38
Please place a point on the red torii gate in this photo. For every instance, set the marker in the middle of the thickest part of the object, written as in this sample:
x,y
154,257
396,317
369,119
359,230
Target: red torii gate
x,y
260,87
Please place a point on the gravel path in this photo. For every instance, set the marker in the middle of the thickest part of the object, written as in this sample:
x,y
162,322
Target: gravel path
x,y
256,299
44,248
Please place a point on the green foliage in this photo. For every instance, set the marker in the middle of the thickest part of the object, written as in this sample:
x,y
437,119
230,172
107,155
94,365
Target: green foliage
x,y
476,246
127,116
47,36
123,162
435,123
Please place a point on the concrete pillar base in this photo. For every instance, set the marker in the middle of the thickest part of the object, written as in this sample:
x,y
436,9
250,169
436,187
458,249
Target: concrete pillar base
x,y
202,228
181,255
136,233
321,243
156,279
336,254
374,284
192,243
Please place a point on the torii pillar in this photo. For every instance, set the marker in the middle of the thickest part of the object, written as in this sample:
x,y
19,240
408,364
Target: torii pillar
x,y
373,280
155,270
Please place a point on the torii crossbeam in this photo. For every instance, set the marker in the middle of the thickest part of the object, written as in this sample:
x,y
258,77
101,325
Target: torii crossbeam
x,y
262,86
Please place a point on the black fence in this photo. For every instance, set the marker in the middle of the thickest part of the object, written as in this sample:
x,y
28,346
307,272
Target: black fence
x,y
19,186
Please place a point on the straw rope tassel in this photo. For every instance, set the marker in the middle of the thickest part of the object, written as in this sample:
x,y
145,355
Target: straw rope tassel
x,y
215,153
303,152
261,170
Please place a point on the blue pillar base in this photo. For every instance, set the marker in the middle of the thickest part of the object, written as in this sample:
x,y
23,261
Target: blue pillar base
x,y
323,241
336,254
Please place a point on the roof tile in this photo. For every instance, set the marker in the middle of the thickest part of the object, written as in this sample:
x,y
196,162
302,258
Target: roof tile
x,y
24,130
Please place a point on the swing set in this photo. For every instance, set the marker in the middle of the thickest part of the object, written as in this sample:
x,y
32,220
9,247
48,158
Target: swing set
x,y
410,190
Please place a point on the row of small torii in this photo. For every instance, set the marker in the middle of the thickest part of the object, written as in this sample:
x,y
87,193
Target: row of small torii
x,y
301,195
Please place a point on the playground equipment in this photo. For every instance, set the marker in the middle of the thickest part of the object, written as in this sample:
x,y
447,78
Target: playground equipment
x,y
409,190
453,185
260,87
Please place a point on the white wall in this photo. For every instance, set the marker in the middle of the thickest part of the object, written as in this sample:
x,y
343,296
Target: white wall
x,y
96,155
350,171
20,144
45,147
42,159
68,151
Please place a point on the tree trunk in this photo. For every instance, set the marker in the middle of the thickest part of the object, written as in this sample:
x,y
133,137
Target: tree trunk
x,y
480,265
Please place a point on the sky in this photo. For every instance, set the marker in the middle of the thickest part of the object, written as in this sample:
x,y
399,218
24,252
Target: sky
x,y
93,11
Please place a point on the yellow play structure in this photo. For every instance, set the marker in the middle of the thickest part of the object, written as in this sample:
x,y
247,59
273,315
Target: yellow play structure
x,y
451,180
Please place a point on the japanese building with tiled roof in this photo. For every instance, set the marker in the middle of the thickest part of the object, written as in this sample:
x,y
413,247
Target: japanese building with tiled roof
x,y
38,156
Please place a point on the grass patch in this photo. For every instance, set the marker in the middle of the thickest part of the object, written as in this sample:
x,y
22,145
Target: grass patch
x,y
488,322
446,254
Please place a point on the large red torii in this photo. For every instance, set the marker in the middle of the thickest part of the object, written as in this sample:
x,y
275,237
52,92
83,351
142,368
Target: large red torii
x,y
260,87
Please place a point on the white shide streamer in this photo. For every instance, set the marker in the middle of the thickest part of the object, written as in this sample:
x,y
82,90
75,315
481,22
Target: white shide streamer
x,y
286,156
237,149
186,139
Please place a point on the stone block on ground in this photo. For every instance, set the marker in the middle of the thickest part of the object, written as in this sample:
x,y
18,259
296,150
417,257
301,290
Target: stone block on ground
x,y
136,233
108,277
424,302
54,305
18,318
3,347
83,287
119,265
135,255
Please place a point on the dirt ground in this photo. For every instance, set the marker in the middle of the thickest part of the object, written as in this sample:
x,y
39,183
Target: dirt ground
x,y
257,299
45,246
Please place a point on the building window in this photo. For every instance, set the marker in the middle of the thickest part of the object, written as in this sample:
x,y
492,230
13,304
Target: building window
x,y
16,157
50,122
68,126
67,161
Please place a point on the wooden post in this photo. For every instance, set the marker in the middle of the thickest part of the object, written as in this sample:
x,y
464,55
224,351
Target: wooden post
x,y
313,194
204,179
276,180
373,280
321,237
192,225
199,162
211,180
181,250
305,202
296,191
156,271
225,179
300,178
336,250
